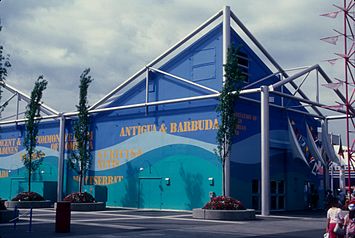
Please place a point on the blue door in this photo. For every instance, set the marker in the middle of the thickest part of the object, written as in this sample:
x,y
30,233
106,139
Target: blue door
x,y
150,193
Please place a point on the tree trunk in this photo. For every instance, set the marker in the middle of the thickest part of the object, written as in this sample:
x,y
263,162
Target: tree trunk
x,y
223,178
223,168
80,181
29,174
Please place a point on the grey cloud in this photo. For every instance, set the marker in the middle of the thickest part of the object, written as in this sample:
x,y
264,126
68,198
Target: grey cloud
x,y
117,38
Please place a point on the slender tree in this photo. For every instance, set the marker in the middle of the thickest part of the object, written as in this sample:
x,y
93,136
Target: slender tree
x,y
226,107
33,158
80,158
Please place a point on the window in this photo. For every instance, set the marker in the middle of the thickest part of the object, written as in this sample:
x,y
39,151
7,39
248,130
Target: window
x,y
243,63
255,198
273,187
255,186
151,85
277,190
204,64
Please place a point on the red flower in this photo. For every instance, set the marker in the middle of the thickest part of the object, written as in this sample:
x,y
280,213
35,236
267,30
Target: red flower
x,y
224,203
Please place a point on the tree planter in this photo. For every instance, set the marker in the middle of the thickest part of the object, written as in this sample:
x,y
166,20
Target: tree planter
x,y
230,215
7,215
29,204
86,206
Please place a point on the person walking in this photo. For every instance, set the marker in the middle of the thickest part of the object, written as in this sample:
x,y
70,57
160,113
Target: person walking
x,y
334,217
349,221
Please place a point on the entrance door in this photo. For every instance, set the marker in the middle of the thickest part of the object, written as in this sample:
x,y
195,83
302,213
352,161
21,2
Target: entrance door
x,y
277,190
150,193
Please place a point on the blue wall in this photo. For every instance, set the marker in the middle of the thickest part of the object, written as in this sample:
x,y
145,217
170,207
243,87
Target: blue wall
x,y
164,156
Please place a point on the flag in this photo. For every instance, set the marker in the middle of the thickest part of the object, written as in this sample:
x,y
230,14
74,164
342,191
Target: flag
x,y
335,107
342,55
330,39
339,80
332,61
341,151
331,14
333,86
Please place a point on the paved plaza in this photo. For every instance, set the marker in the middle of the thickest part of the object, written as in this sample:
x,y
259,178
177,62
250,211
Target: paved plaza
x,y
148,223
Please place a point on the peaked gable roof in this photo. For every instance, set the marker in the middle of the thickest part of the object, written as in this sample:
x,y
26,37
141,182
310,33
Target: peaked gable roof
x,y
196,72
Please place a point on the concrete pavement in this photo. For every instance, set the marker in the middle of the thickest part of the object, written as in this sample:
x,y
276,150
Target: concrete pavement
x,y
148,223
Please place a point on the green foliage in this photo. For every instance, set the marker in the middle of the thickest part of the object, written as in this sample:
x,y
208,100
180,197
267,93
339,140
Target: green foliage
x,y
227,100
226,107
80,159
4,64
33,158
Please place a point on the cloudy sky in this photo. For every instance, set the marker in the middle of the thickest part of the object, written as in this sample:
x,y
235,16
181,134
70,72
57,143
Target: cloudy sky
x,y
116,38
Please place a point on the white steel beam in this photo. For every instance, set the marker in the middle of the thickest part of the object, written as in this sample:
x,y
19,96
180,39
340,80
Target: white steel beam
x,y
294,77
146,89
268,56
265,155
149,104
159,58
61,158
183,80
337,117
285,108
17,105
260,80
226,37
312,103
24,119
226,45
44,108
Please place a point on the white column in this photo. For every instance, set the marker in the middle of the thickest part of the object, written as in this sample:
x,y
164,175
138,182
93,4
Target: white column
x,y
226,36
146,90
61,157
18,105
331,179
226,43
265,159
342,178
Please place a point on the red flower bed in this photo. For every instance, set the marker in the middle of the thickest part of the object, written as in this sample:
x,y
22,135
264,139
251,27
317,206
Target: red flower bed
x,y
80,198
224,203
28,196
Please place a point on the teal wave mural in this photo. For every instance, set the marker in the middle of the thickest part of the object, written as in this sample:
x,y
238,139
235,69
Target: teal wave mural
x,y
175,176
13,162
119,154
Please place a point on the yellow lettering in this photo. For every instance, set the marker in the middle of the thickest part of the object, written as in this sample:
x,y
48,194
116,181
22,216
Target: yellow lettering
x,y
104,180
187,126
97,180
92,180
181,128
122,132
215,124
109,179
173,128
128,131
162,128
4,173
194,125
